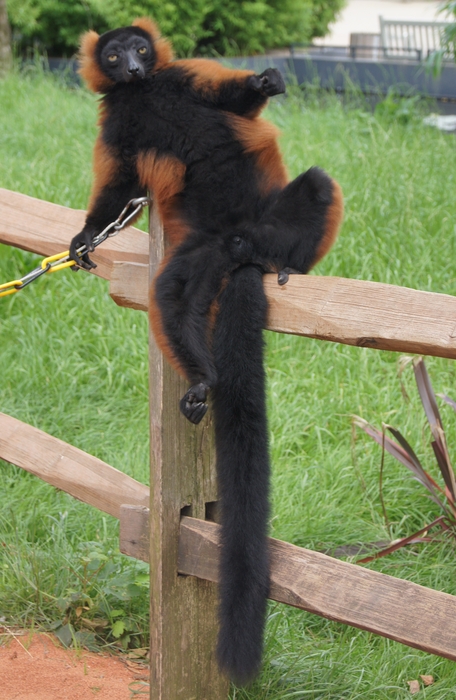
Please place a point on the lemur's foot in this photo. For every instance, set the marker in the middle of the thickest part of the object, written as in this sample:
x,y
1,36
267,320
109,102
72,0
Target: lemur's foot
x,y
193,405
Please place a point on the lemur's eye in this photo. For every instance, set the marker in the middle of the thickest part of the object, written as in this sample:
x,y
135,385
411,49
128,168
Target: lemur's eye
x,y
142,50
237,240
112,57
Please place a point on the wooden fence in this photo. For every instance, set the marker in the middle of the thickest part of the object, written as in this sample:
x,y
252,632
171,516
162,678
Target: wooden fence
x,y
171,525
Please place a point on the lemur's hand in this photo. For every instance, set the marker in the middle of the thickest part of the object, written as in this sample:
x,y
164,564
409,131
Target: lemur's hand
x,y
268,83
85,237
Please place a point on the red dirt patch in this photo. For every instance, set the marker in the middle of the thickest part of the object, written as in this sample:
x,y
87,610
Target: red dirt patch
x,y
36,667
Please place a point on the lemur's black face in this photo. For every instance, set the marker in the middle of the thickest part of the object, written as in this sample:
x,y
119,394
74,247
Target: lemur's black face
x,y
125,54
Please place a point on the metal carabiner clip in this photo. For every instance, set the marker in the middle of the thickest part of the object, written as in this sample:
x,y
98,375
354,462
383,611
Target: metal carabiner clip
x,y
124,218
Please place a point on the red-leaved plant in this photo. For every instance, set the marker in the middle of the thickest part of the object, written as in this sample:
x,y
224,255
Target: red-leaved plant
x,y
403,452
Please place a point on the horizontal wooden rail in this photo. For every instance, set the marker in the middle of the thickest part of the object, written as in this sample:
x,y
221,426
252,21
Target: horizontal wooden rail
x,y
46,229
406,612
393,608
353,312
348,311
65,467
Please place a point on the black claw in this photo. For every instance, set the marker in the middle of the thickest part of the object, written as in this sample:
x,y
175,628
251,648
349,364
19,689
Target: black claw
x,y
193,405
82,261
85,263
283,277
194,412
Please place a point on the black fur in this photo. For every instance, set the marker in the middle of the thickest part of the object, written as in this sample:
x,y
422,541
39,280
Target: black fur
x,y
289,230
241,439
286,235
163,111
237,230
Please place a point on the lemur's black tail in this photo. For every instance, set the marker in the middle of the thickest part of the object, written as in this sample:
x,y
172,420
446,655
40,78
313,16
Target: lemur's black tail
x,y
243,472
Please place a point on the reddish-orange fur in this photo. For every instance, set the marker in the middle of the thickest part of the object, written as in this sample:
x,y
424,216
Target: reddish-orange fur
x,y
214,308
105,166
209,76
164,176
155,320
92,73
260,137
88,65
333,222
163,49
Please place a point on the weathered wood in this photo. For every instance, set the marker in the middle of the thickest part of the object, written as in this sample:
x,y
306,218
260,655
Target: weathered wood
x,y
354,312
183,482
129,285
183,609
366,314
406,612
47,229
68,468
134,531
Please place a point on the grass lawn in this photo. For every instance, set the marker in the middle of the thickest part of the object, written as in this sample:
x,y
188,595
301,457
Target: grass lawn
x,y
75,365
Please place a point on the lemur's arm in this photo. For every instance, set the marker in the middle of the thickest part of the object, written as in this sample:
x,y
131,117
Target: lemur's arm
x,y
239,91
112,189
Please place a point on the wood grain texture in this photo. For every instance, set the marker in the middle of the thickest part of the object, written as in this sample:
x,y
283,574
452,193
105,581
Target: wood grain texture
x,y
416,616
183,609
134,531
68,468
406,612
367,314
129,285
353,312
46,229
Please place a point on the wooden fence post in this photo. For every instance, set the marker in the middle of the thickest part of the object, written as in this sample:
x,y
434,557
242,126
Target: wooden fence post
x,y
183,622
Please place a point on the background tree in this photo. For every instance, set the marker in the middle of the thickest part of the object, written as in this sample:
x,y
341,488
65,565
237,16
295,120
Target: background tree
x,y
196,27
5,40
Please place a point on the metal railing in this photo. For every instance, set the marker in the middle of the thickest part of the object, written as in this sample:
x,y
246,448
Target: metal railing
x,y
399,37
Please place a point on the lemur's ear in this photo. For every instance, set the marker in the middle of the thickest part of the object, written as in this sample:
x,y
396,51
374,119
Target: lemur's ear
x,y
163,50
89,68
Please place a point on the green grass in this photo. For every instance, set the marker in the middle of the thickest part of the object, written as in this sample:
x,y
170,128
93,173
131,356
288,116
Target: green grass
x,y
75,365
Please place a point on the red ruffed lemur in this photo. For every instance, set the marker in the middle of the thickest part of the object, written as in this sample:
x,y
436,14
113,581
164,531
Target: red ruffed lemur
x,y
189,131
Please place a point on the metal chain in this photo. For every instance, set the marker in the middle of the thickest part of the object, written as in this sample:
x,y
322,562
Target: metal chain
x,y
63,260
